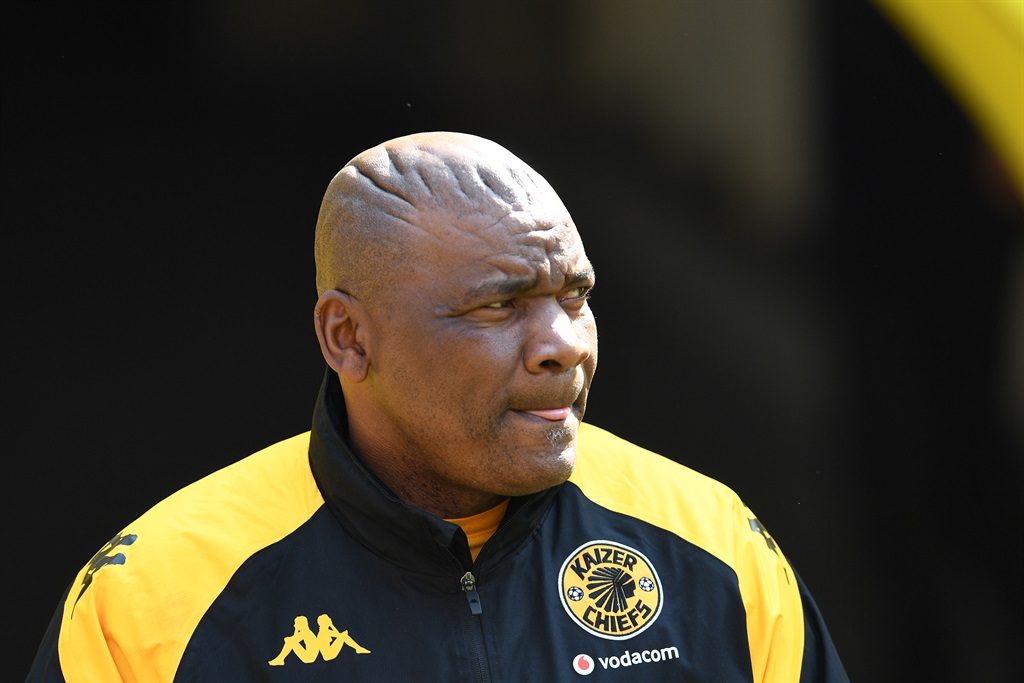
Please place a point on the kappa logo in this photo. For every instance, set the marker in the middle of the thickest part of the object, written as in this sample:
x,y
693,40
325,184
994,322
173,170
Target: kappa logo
x,y
326,643
757,527
610,589
105,556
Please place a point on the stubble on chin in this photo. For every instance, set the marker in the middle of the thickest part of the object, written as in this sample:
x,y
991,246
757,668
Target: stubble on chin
x,y
562,440
560,437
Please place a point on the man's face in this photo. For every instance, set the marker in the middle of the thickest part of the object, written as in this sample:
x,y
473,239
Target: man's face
x,y
484,351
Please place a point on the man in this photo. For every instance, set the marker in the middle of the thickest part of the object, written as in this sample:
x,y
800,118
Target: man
x,y
447,510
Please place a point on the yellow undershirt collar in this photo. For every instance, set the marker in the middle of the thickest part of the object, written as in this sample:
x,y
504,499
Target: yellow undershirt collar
x,y
480,527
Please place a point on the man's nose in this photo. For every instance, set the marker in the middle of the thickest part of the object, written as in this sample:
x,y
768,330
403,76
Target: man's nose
x,y
557,342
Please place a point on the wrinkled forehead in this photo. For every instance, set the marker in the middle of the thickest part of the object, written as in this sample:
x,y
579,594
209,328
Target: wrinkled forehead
x,y
439,182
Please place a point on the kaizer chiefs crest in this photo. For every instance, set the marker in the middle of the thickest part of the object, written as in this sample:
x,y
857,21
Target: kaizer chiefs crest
x,y
610,589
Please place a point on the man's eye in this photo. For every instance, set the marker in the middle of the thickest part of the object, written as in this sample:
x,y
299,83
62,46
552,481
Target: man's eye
x,y
576,293
507,303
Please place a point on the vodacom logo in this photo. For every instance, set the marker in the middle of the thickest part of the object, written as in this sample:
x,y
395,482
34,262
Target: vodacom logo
x,y
583,664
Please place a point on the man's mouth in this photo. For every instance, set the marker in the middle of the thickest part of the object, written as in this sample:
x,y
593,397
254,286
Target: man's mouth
x,y
552,414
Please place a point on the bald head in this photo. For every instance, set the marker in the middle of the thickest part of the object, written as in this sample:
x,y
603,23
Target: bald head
x,y
426,183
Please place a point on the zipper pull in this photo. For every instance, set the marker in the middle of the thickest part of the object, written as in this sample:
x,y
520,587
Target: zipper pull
x,y
468,582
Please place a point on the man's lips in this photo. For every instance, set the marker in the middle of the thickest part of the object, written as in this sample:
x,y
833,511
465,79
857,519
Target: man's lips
x,y
552,414
555,403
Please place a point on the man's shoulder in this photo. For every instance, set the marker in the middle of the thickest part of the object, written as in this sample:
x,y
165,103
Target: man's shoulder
x,y
173,561
216,522
604,453
628,479
272,484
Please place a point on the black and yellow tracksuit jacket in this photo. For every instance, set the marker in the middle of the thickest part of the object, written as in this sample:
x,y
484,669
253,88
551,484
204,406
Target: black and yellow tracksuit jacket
x,y
296,564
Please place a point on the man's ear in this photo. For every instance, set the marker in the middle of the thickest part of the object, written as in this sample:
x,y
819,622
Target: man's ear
x,y
341,325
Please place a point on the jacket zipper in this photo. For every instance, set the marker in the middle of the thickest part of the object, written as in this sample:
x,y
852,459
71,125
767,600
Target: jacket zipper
x,y
469,587
479,658
468,583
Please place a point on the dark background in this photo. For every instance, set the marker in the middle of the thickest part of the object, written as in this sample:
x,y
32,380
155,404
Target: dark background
x,y
810,271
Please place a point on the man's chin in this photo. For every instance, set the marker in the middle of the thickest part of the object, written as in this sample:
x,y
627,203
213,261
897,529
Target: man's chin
x,y
546,470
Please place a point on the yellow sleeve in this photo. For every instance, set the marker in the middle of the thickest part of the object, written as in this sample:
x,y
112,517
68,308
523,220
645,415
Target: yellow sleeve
x,y
87,652
132,610
771,596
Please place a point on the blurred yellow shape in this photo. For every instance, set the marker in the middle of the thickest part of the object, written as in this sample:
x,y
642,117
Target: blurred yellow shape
x,y
976,47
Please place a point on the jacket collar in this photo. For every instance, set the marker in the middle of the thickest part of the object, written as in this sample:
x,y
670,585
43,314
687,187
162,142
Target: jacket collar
x,y
402,533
